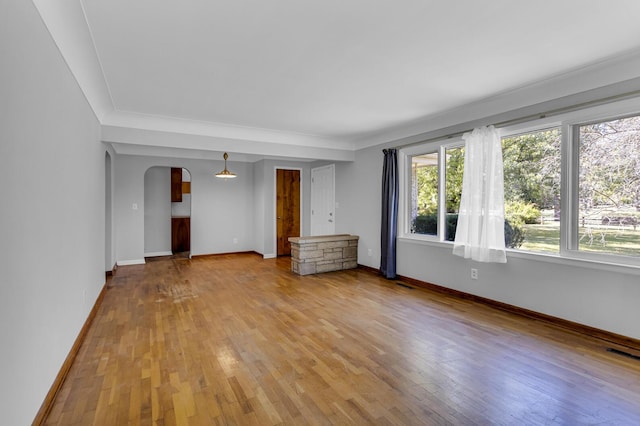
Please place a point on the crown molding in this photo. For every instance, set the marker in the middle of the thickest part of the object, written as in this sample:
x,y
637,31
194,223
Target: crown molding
x,y
132,141
604,78
220,130
67,24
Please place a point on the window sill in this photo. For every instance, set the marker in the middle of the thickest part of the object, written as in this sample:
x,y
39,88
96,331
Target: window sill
x,y
580,262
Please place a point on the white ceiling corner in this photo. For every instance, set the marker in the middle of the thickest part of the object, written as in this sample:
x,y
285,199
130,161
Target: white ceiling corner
x,y
66,22
324,78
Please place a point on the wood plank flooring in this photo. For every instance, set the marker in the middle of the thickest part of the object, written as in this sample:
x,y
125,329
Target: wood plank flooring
x,y
239,340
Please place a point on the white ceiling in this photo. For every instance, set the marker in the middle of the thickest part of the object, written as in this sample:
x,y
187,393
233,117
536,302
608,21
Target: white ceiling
x,y
331,73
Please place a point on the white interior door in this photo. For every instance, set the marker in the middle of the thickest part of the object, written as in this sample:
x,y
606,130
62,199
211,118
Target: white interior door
x,y
323,200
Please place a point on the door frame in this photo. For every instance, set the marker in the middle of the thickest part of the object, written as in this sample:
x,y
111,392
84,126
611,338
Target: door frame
x,y
169,250
332,167
275,204
109,246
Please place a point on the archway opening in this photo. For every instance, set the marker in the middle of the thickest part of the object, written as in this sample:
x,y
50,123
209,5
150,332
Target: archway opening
x,y
167,212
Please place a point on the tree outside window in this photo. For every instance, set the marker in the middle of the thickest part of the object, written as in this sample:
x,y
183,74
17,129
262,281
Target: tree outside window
x,y
424,194
605,190
532,189
609,187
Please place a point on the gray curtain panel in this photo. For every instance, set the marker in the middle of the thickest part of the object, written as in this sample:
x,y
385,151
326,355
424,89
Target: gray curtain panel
x,y
389,213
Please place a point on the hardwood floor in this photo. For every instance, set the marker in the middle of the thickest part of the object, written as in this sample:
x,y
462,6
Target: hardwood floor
x,y
241,340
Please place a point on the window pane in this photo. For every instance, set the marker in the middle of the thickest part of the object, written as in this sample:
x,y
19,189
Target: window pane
x,y
532,190
609,187
424,194
453,183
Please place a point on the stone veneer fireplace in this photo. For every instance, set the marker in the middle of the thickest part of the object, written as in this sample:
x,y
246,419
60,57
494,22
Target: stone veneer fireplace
x,y
316,254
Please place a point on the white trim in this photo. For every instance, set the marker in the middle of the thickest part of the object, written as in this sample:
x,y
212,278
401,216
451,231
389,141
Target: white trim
x,y
269,256
568,250
568,195
540,257
439,147
131,262
131,140
601,79
158,253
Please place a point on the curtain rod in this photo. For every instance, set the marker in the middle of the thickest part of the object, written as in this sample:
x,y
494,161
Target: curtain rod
x,y
534,116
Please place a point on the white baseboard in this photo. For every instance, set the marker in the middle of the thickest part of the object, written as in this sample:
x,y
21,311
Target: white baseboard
x,y
269,256
130,262
158,253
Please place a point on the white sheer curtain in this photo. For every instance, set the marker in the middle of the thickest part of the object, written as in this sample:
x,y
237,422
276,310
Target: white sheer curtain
x,y
480,229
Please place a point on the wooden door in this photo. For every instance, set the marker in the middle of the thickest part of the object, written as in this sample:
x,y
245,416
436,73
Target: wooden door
x,y
287,209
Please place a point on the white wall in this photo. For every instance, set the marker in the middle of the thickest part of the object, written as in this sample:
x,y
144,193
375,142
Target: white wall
x,y
221,210
52,214
358,189
258,206
108,216
157,211
576,291
587,295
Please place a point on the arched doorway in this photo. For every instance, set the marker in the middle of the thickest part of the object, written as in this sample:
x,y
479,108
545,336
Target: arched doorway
x,y
167,212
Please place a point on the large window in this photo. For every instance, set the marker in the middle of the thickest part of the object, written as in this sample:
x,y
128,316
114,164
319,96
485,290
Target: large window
x,y
424,194
609,187
532,190
433,198
571,189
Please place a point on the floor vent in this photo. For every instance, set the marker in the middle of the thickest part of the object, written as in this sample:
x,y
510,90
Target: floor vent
x,y
623,353
401,284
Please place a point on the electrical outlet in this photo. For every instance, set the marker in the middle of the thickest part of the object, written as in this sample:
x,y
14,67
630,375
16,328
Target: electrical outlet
x,y
474,274
235,241
370,252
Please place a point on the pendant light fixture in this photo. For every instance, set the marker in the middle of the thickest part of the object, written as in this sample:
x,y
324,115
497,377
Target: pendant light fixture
x,y
225,174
